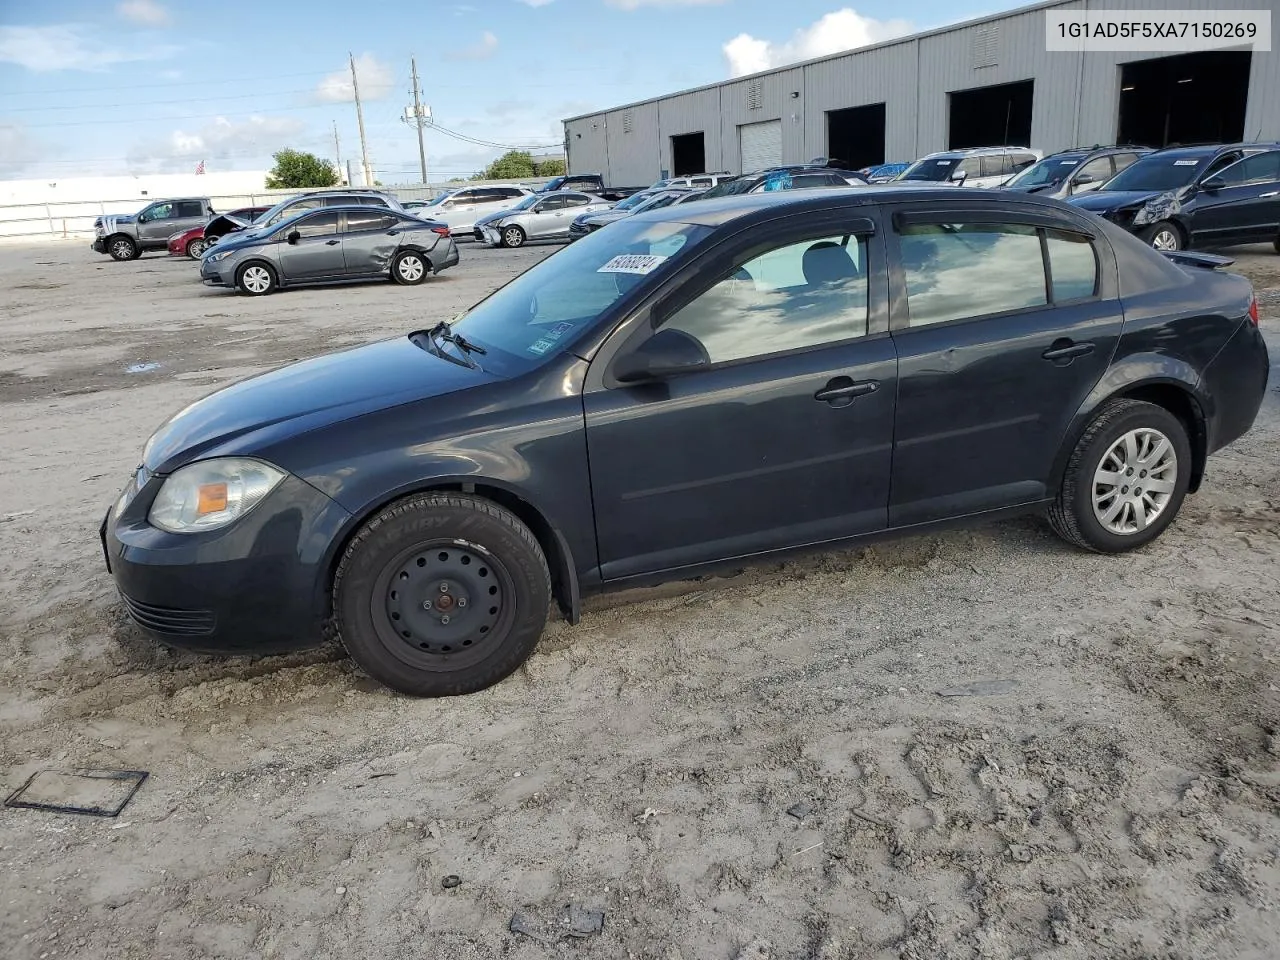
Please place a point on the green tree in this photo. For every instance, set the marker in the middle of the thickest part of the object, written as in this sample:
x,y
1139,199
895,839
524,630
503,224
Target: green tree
x,y
512,165
549,168
295,168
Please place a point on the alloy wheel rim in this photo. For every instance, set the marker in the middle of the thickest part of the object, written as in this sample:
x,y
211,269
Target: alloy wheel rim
x,y
257,279
513,237
122,247
1165,240
411,268
1134,481
197,247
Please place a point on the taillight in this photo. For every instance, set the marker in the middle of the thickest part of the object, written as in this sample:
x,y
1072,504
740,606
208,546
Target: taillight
x,y
1253,311
443,231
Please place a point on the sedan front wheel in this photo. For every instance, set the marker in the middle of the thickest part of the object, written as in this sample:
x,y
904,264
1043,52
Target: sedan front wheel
x,y
255,279
512,237
1164,236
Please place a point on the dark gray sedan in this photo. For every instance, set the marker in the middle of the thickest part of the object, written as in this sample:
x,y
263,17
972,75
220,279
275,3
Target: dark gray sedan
x,y
333,244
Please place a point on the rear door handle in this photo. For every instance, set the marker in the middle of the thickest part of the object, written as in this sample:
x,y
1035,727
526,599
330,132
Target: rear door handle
x,y
330,243
1067,350
841,391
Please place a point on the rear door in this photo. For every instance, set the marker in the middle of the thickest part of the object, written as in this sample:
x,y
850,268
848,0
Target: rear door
x,y
370,239
995,353
188,214
316,254
785,439
1245,208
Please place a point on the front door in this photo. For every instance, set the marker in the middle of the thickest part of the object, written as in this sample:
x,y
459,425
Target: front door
x,y
316,253
783,440
994,358
158,222
548,218
1246,207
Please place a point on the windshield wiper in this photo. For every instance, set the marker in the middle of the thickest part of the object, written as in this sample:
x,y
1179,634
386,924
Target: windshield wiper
x,y
443,333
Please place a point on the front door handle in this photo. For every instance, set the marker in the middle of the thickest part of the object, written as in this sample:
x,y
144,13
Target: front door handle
x,y
330,243
1067,350
842,391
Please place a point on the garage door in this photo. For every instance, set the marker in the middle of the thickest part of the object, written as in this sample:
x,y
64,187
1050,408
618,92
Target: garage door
x,y
761,145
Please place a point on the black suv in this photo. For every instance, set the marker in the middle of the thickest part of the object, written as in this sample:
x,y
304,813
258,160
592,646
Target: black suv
x,y
1201,196
1069,172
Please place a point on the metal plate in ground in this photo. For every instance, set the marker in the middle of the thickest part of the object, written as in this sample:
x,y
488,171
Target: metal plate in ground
x,y
97,793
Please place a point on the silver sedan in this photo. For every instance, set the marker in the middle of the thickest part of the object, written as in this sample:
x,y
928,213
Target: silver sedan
x,y
545,216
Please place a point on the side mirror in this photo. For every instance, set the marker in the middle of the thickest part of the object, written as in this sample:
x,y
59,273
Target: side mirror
x,y
1213,184
666,353
959,176
294,236
1081,179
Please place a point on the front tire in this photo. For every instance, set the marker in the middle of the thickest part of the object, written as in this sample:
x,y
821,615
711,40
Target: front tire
x,y
195,248
441,594
1126,478
409,268
1163,236
123,248
255,279
513,237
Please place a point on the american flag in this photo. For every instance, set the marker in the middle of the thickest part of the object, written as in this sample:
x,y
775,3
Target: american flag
x,y
200,168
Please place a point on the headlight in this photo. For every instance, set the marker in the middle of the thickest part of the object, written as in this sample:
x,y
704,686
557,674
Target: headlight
x,y
211,494
215,257
1143,215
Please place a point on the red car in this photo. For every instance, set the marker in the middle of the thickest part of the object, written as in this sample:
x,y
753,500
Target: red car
x,y
191,243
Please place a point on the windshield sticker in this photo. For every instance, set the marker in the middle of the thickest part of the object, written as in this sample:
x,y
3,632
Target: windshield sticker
x,y
1185,163
637,263
1068,163
944,163
539,347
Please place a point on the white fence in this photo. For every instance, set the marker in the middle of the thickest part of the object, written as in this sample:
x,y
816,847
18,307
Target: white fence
x,y
69,220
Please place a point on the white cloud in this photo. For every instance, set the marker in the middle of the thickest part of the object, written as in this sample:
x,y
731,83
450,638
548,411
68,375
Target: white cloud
x,y
69,46
18,150
483,50
376,82
146,12
536,3
843,29
222,139
636,4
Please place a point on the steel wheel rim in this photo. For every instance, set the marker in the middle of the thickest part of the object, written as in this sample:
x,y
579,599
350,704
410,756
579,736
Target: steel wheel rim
x,y
513,237
411,268
429,627
1134,481
257,279
122,248
1165,240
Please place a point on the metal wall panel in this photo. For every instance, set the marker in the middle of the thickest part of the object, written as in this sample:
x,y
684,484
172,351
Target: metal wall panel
x,y
586,146
689,113
633,140
774,95
886,75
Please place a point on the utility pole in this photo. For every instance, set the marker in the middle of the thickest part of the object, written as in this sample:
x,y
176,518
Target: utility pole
x,y
418,118
337,148
364,146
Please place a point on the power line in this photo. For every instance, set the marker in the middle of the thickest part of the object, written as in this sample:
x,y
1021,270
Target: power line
x,y
169,83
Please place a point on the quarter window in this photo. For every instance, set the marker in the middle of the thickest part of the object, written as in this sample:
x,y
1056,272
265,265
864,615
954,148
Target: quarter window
x,y
319,225
1072,265
800,295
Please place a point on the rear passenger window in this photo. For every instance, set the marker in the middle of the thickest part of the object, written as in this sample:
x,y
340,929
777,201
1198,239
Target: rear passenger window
x,y
954,271
190,208
799,295
996,166
1072,265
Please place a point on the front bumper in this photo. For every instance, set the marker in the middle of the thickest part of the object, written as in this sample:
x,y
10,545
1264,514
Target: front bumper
x,y
100,244
218,274
257,586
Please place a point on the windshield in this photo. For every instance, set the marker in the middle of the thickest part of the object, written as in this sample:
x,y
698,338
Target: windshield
x,y
658,202
937,168
1049,170
1155,173
633,201
731,188
527,202
551,185
543,310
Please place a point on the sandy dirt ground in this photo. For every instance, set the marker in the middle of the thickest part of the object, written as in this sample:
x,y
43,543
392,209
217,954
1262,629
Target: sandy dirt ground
x,y
1117,798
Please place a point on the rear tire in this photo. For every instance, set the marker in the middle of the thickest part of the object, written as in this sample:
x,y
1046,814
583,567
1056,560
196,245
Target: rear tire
x,y
1102,505
409,268
513,237
1164,236
123,248
441,594
255,279
195,248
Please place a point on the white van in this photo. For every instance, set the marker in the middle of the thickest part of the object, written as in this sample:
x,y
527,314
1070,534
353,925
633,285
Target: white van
x,y
978,167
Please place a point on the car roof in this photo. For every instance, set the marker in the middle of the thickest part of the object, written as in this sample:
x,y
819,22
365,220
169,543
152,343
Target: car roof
x,y
978,152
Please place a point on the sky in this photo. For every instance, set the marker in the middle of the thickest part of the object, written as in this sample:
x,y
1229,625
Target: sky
x,y
100,87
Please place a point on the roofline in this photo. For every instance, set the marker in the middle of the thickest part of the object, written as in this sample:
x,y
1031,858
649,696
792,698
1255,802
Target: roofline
x,y
883,44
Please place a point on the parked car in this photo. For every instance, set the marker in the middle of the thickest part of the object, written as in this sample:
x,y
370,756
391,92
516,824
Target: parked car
x,y
884,172
1203,196
978,167
652,401
192,242
538,217
313,200
586,223
591,183
127,236
802,178
699,181
336,243
1072,172
461,208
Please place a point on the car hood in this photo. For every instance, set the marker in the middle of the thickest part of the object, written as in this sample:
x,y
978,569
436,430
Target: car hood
x,y
1031,187
608,216
1103,200
242,418
110,223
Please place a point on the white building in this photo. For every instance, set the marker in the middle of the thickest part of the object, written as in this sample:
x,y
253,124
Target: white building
x,y
982,83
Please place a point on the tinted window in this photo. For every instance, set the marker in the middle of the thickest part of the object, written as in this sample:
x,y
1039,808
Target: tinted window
x,y
294,209
371,220
318,225
1222,162
1261,167
938,168
995,166
1020,161
372,200
190,208
702,181
808,181
551,203
576,200
1047,171
796,296
508,193
1123,160
1157,172
956,270
1099,169
1072,264
971,167
161,211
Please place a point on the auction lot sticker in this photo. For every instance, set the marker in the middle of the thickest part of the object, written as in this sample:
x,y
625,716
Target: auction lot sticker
x,y
1134,31
640,263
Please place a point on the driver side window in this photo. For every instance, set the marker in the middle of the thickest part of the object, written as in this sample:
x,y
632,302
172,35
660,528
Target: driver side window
x,y
161,211
795,296
1224,161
